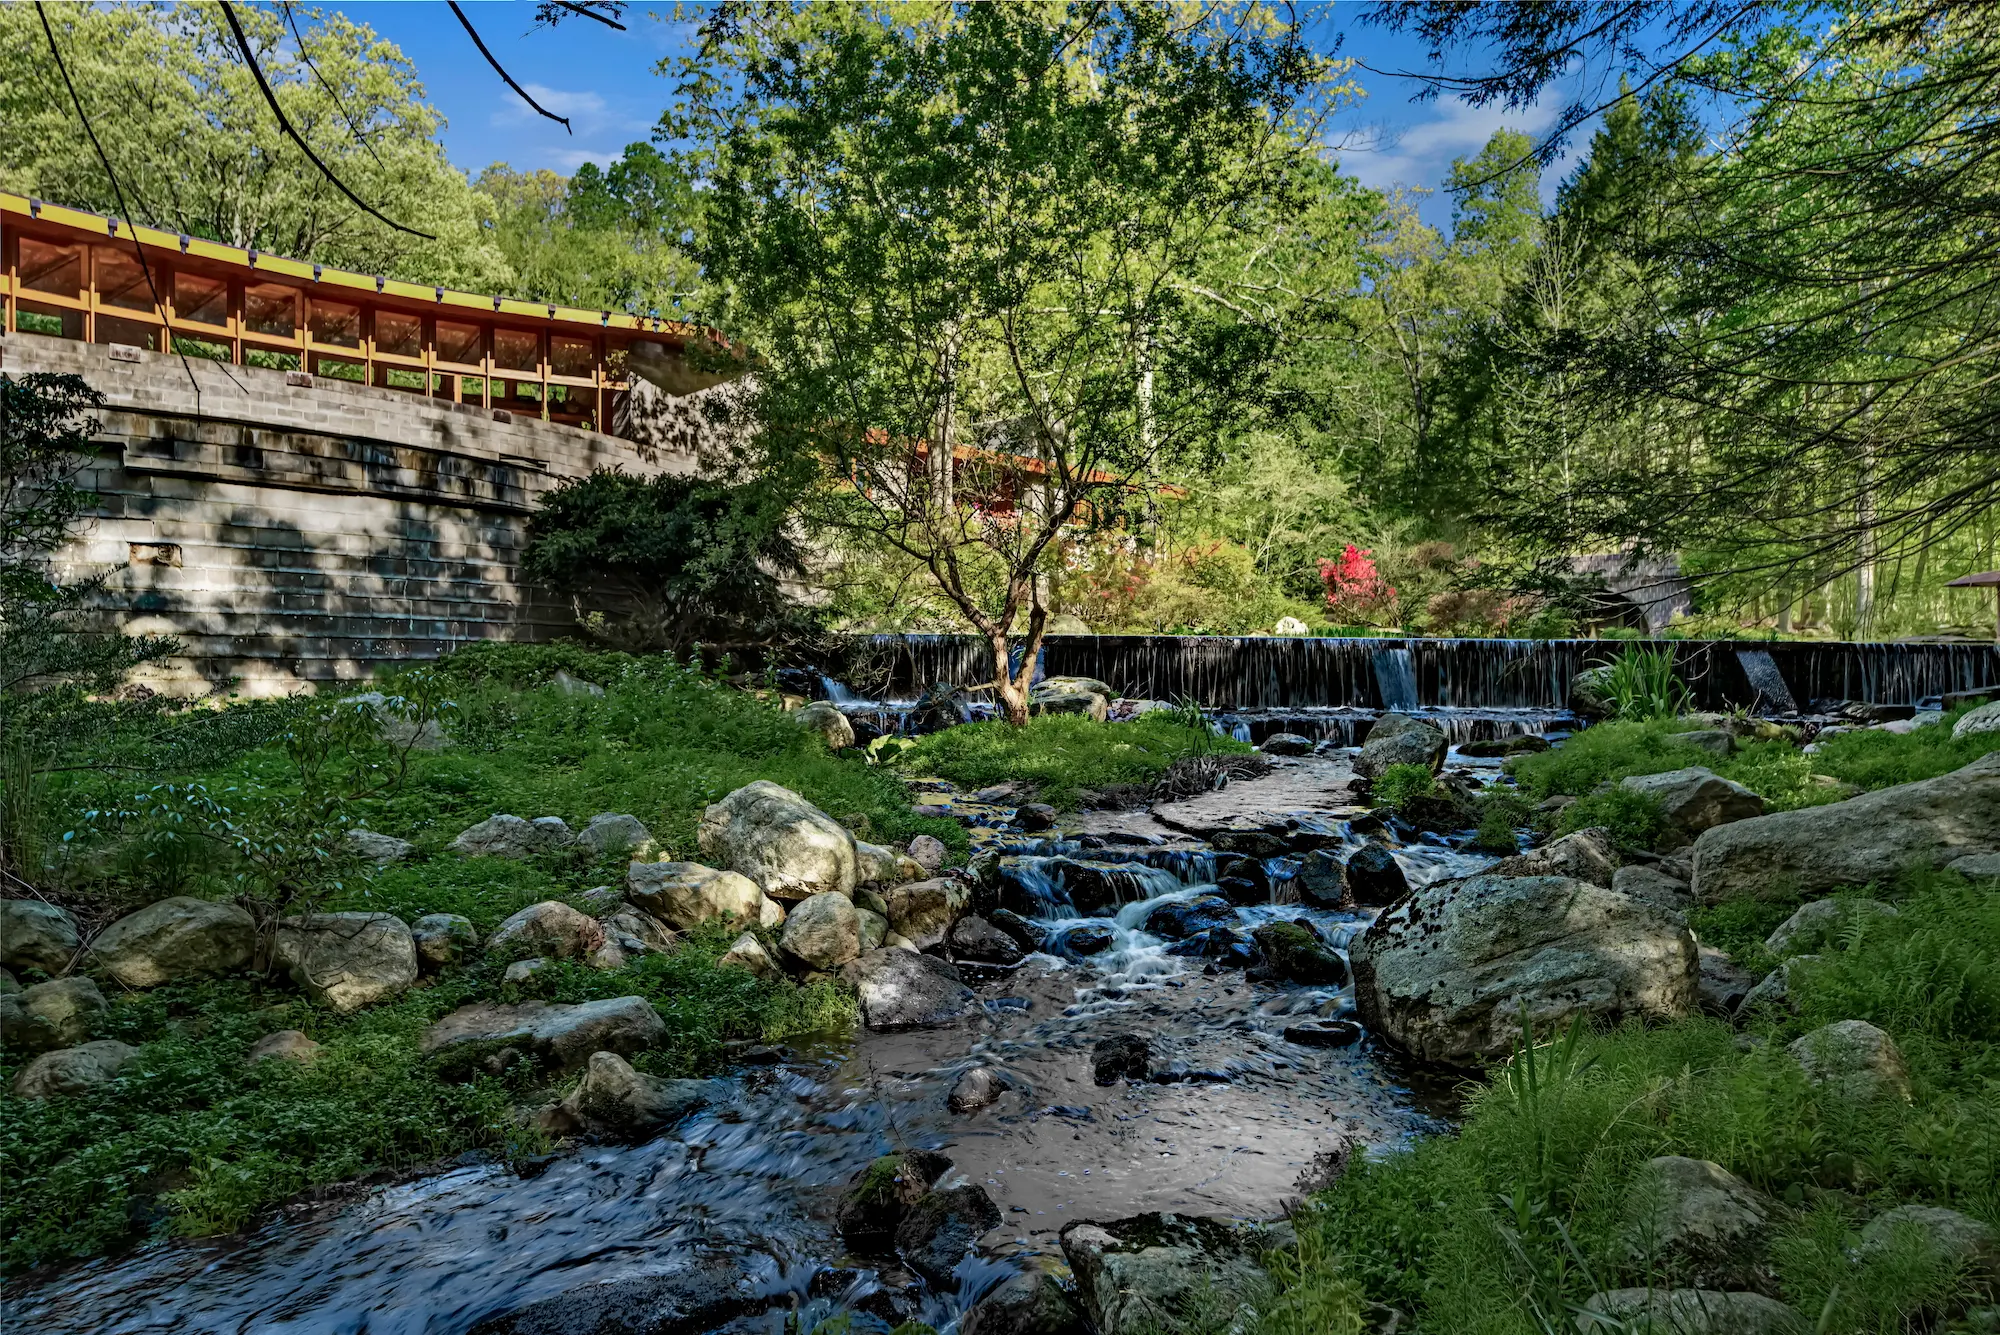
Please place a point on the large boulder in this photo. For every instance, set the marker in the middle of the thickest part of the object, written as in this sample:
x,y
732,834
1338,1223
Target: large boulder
x,y
616,1101
1873,837
506,836
822,932
923,911
1586,855
1398,739
347,960
942,1226
551,929
58,1014
443,939
823,718
490,1036
1693,800
176,938
611,832
381,849
1446,972
1853,1060
1028,1302
1698,1223
1984,719
902,989
784,843
974,938
1688,1312
73,1071
1822,922
34,935
1136,1275
1654,886
1071,695
687,894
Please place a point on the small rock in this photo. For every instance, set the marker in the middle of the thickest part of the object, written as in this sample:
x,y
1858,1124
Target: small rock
x,y
1296,956
8,982
1984,719
1823,922
873,1208
1716,741
58,1014
1028,1302
610,832
770,913
506,836
1373,877
636,933
34,935
748,953
520,971
180,937
1854,1060
1033,816
1654,886
1324,1033
874,928
687,894
443,939
557,1037
1698,1222
929,851
975,1089
347,960
973,938
1180,918
942,1227
1724,983
902,989
551,928
1586,855
1083,942
1689,1312
380,849
73,1071
1977,866
616,1101
924,911
1773,992
609,957
878,864
1120,1057
1322,881
827,722
288,1045
1286,744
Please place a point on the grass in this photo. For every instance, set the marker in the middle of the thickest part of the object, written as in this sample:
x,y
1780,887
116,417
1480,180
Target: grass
x,y
1060,754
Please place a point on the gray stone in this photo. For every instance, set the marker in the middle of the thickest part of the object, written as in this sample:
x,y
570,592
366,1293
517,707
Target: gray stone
x,y
975,1089
1773,992
875,1201
397,729
443,939
8,982
1984,719
610,832
1398,739
34,935
1824,922
176,938
902,989
637,933
1724,983
1978,866
875,864
1718,742
687,894
784,843
944,1224
1590,692
1695,799
973,938
505,836
924,911
929,852
57,1014
828,722
380,849
1956,1239
1027,1302
874,927
1321,881
1445,973
1688,1312
1697,1222
1145,1273
347,960
748,953
287,1045
822,932
1587,855
616,1101
73,1071
1873,837
1853,1060
1071,695
1654,886
554,1036
1286,744
550,928
520,971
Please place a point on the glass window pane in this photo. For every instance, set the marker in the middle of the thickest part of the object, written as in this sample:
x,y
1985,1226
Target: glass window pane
x,y
203,300
54,269
120,280
113,329
517,350
460,343
270,309
335,323
399,335
572,356
31,319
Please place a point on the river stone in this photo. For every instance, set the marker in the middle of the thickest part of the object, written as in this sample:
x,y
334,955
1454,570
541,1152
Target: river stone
x,y
181,937
973,938
1978,866
616,1101
1445,972
1951,1237
34,935
1773,992
1321,881
825,720
505,836
902,989
1297,956
822,932
1023,931
1180,918
1586,855
550,928
1853,1060
73,1071
1698,1222
1082,942
1120,1057
1398,739
784,843
1134,1275
924,911
1654,886
941,1227
1984,719
873,1207
520,971
1373,877
1695,799
1823,922
287,1045
636,933
555,1036
929,852
748,953
58,1014
610,832
1027,1302
1873,837
687,894
347,960
1035,816
1324,1033
1724,983
975,1089
1286,744
443,939
699,1292
380,849
1688,1312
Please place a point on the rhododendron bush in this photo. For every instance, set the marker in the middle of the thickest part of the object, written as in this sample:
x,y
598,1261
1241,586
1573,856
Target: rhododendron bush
x,y
1356,593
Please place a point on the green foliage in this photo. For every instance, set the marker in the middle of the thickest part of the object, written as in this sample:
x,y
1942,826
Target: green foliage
x,y
1600,754
1641,684
1061,754
1502,815
1874,759
1633,818
1399,785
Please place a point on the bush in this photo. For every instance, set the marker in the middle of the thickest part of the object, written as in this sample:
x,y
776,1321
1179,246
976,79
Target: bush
x,y
1604,754
1633,818
1060,754
1399,785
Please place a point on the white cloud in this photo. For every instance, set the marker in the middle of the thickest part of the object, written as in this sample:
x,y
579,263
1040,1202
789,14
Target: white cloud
x,y
567,161
587,111
1420,154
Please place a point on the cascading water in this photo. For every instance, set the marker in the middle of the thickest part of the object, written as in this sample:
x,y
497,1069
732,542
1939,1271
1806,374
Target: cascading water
x,y
1397,677
1761,671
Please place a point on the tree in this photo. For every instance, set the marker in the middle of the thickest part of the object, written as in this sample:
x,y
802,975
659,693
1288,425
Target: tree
x,y
955,237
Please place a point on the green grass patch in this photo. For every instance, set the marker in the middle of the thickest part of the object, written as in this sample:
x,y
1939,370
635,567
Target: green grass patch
x,y
1060,754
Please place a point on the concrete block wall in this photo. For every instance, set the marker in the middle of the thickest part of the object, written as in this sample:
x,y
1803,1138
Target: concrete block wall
x,y
291,534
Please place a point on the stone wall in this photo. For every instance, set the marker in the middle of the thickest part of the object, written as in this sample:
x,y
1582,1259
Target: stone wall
x,y
291,529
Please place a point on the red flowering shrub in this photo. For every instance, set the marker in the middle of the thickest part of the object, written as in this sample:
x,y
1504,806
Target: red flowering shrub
x,y
1355,589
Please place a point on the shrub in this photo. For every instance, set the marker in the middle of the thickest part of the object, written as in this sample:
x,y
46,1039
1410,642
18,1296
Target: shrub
x,y
1399,785
1633,818
1603,754
1642,684
1060,754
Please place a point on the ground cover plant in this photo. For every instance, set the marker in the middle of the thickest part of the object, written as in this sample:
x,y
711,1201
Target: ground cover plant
x,y
1063,755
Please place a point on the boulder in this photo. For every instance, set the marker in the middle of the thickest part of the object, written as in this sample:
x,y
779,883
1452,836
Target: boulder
x,y
1321,881
1773,992
489,1035
1853,1060
902,989
1654,886
505,836
822,932
784,843
1134,1275
1071,695
1180,918
1120,1057
1027,1302
1398,739
874,928
1698,1223
1688,1312
1984,719
825,720
748,953
975,1089
1022,931
1297,956
380,849
58,1014
1445,973
941,1227
34,935
636,933
618,1102
1693,800
1286,744
1590,693
443,939
1873,837
550,928
1372,876
876,1200
1035,816
929,852
611,833
1587,855
1718,742
687,894
974,938
1724,983
520,971
176,938
1967,1244
286,1045
1977,866
1823,922
73,1071
1085,941
924,911
347,960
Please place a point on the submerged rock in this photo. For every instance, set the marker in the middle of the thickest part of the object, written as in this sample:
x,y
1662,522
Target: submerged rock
x,y
552,1035
1373,877
34,935
1181,918
1120,1057
347,960
1297,956
784,843
701,1292
902,989
975,1089
180,937
1083,941
1324,1033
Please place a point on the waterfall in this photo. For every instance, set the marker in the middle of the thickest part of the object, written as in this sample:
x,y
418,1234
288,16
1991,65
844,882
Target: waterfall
x,y
836,691
1396,675
1761,671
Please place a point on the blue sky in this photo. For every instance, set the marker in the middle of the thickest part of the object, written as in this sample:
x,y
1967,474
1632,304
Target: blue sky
x,y
606,83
